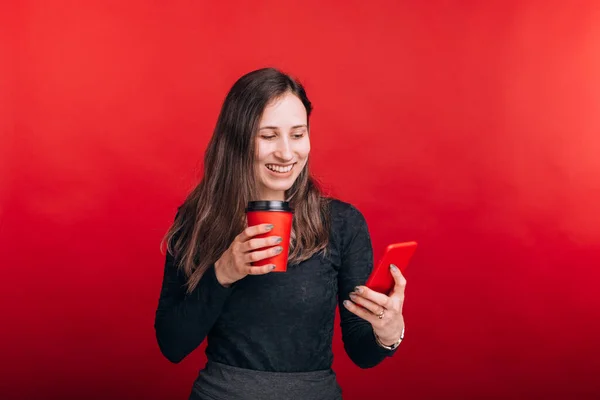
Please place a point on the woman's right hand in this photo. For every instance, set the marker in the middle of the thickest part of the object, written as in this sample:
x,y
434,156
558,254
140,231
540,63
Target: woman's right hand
x,y
235,263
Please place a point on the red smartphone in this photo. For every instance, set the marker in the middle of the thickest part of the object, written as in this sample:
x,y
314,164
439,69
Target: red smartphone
x,y
399,254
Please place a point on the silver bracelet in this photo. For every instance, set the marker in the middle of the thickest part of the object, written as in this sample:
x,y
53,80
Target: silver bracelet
x,y
393,346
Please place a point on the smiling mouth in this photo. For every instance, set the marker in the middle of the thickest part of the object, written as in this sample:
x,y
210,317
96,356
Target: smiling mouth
x,y
282,169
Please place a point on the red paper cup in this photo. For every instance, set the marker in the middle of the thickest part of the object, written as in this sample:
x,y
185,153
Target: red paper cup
x,y
280,215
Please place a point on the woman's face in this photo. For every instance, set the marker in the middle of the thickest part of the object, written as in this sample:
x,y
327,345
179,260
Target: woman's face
x,y
282,146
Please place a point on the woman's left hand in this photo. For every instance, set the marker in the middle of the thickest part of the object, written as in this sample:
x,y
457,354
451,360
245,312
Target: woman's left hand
x,y
383,312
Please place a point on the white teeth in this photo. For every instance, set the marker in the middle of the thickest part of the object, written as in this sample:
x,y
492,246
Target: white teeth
x,y
279,169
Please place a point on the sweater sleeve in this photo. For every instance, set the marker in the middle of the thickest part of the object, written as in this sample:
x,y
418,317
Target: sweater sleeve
x,y
356,266
183,320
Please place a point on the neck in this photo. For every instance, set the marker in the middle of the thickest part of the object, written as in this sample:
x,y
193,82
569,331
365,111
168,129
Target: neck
x,y
272,195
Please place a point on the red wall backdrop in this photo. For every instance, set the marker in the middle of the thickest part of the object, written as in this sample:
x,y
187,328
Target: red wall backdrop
x,y
471,127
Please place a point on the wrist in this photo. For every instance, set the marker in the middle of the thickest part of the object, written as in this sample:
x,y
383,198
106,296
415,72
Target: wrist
x,y
220,278
387,343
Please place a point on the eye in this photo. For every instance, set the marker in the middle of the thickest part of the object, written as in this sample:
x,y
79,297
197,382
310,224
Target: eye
x,y
298,135
267,137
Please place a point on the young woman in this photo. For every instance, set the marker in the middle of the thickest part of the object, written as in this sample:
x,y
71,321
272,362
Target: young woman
x,y
269,335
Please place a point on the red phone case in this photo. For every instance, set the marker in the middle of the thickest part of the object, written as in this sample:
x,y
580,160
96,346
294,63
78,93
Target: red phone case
x,y
399,254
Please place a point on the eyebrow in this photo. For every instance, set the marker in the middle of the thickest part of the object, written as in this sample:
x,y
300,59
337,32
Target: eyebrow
x,y
277,128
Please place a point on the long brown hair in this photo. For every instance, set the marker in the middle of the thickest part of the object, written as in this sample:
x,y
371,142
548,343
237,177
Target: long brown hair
x,y
213,214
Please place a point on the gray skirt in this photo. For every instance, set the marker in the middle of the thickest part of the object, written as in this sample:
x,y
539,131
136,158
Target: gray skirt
x,y
223,382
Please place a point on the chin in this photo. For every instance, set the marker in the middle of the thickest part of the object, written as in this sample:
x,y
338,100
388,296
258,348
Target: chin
x,y
279,186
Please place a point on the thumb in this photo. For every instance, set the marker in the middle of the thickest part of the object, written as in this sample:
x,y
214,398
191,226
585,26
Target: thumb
x,y
400,281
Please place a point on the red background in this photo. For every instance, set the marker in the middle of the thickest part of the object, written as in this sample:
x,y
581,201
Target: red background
x,y
470,127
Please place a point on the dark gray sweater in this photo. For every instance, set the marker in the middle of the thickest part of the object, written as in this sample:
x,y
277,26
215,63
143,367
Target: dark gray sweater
x,y
280,322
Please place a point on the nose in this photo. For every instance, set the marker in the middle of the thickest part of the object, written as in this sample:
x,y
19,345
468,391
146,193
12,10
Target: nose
x,y
284,151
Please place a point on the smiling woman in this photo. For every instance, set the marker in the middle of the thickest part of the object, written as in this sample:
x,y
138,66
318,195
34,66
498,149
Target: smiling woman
x,y
261,324
237,163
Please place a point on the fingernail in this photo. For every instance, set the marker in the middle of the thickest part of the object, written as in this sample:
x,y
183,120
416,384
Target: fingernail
x,y
269,227
278,249
346,303
393,268
352,296
272,267
278,240
357,289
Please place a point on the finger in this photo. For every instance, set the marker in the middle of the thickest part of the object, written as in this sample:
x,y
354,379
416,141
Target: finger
x,y
254,230
376,297
262,254
263,269
359,311
374,308
254,244
400,281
